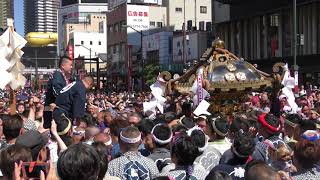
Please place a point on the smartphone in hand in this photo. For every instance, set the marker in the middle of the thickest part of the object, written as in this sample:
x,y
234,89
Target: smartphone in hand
x,y
33,169
47,118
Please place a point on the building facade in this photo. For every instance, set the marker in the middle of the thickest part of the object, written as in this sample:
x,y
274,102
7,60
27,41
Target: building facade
x,y
127,25
89,44
76,16
196,44
6,11
40,15
131,21
157,47
94,22
262,32
197,14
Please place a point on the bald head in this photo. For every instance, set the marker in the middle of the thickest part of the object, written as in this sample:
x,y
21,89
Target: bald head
x,y
88,82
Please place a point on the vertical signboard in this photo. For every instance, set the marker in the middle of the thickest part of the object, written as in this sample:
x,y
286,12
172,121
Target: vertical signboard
x,y
137,20
129,68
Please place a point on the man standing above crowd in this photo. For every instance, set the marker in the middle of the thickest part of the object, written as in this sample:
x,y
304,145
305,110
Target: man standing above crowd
x,y
71,103
59,80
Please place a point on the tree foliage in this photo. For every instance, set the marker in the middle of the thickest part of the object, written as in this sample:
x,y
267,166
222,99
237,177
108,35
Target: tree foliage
x,y
151,72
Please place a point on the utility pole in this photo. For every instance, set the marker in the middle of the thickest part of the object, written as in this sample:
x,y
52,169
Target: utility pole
x,y
98,73
90,51
36,62
295,67
195,13
295,32
90,60
142,60
184,33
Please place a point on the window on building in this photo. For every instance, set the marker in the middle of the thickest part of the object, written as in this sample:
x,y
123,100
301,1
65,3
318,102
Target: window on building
x,y
117,48
82,43
122,24
159,24
274,20
101,27
90,42
170,45
116,27
178,9
180,52
110,28
152,23
114,49
109,50
99,42
178,44
203,9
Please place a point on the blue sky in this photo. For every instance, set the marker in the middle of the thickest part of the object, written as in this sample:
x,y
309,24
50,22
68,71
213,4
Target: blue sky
x,y
18,16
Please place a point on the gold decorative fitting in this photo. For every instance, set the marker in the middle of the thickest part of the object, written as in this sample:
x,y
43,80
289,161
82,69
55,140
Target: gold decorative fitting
x,y
218,43
230,77
241,76
231,67
227,78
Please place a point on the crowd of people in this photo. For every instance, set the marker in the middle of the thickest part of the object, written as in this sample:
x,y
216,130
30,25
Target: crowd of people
x,y
72,133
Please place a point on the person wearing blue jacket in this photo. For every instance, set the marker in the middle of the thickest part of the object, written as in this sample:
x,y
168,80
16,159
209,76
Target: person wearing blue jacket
x,y
70,104
59,80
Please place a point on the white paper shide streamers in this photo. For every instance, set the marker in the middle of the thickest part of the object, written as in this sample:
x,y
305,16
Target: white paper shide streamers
x,y
158,100
10,54
288,83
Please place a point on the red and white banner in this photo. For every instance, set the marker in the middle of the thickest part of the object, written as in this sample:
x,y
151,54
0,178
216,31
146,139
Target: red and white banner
x,y
199,86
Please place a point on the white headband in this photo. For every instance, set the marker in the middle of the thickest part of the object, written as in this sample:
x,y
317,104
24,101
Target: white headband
x,y
200,116
130,140
109,142
215,127
159,141
196,127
